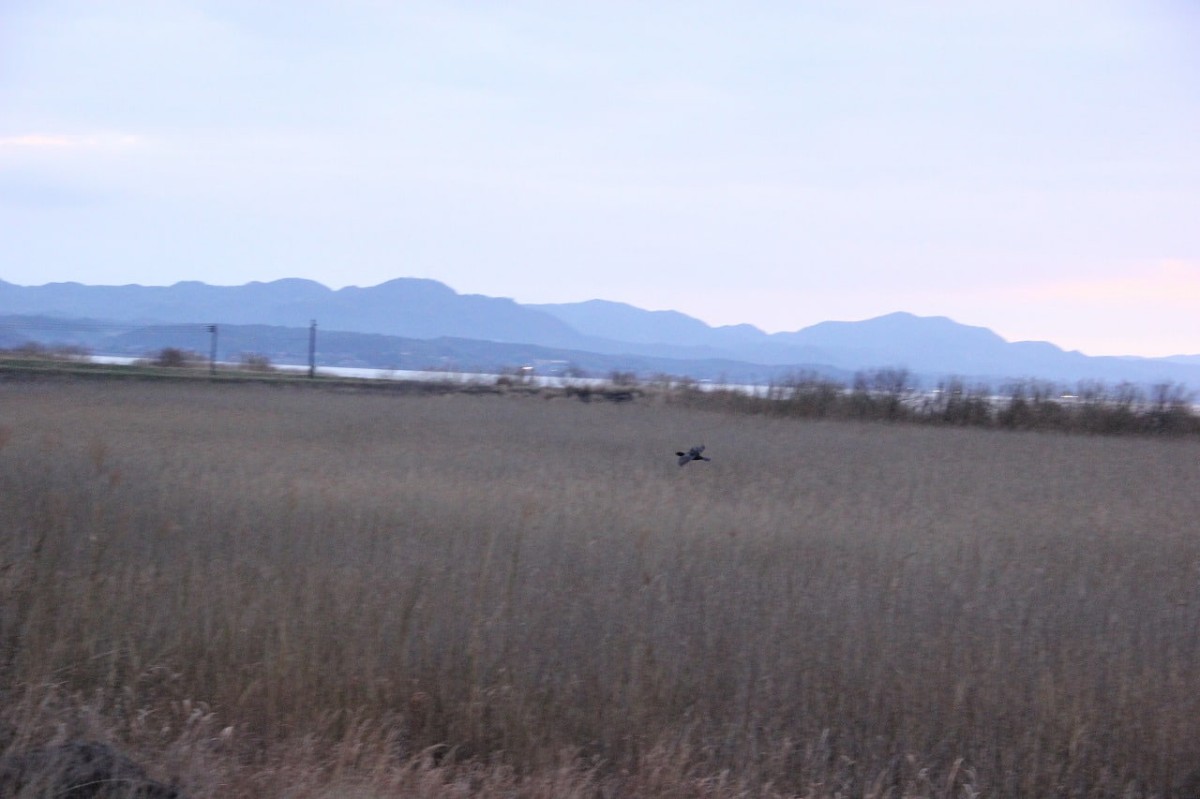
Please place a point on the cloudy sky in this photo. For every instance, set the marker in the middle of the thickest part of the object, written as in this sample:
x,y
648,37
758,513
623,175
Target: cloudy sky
x,y
1029,165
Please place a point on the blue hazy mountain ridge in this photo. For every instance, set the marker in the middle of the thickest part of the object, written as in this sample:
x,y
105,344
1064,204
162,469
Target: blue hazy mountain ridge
x,y
412,307
924,343
934,345
420,308
894,338
607,319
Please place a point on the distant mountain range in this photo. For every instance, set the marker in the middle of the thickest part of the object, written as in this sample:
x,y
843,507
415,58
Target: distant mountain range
x,y
416,323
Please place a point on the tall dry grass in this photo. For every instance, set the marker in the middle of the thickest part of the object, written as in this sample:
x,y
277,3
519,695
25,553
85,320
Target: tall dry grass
x,y
300,593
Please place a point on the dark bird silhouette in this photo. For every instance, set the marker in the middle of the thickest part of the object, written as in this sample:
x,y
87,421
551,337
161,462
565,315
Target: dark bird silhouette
x,y
692,454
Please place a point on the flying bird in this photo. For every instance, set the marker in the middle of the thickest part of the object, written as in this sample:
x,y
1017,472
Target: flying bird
x,y
692,454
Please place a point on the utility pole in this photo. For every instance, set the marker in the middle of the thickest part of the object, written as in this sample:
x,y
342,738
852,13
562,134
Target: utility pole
x,y
212,355
312,349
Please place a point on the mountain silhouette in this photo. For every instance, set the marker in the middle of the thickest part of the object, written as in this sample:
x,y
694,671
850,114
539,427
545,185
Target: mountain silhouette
x,y
423,309
413,307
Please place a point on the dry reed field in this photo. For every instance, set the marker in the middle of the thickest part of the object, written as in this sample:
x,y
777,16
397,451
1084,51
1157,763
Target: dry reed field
x,y
282,592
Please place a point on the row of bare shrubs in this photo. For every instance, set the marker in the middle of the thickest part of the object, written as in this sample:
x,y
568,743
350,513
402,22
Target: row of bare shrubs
x,y
167,357
890,395
36,350
175,358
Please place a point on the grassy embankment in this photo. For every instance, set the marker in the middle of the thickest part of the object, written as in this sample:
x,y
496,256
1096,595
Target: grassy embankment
x,y
301,593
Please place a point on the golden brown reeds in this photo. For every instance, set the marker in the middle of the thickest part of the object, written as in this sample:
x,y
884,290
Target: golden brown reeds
x,y
281,592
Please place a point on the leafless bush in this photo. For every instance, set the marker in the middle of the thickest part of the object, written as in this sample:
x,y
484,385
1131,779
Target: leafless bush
x,y
61,352
623,379
176,358
255,362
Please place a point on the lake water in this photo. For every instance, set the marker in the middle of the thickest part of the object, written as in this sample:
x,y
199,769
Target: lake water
x,y
395,374
548,381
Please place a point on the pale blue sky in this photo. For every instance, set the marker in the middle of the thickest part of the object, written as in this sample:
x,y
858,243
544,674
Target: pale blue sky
x,y
1033,167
